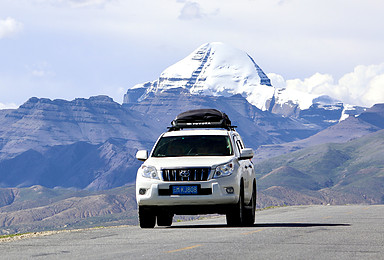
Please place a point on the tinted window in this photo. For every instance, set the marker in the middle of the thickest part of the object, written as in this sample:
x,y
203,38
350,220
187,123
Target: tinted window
x,y
193,146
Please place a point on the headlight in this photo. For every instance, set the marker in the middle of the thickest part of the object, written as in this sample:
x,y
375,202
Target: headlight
x,y
224,170
149,172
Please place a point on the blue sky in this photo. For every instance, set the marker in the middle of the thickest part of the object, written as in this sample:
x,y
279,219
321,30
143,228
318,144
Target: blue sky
x,y
80,48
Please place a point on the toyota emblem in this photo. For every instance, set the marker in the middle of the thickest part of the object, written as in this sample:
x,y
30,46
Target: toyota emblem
x,y
184,173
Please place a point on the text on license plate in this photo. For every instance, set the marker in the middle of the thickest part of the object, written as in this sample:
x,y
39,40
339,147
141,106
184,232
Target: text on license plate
x,y
184,190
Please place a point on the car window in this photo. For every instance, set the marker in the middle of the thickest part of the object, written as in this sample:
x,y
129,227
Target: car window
x,y
174,146
239,145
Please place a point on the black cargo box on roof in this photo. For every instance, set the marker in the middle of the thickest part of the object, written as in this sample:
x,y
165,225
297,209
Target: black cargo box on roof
x,y
201,118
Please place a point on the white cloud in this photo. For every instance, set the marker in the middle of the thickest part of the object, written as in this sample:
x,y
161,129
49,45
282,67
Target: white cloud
x,y
364,86
375,92
191,10
9,27
8,106
277,80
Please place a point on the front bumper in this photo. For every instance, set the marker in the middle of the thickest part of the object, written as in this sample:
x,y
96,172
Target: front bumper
x,y
217,196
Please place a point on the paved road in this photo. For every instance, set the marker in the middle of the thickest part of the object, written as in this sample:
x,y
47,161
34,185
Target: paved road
x,y
303,232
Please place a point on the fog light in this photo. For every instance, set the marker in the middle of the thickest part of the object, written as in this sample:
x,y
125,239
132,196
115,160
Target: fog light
x,y
142,191
230,190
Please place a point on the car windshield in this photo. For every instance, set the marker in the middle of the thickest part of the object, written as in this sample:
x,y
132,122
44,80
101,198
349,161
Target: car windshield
x,y
196,145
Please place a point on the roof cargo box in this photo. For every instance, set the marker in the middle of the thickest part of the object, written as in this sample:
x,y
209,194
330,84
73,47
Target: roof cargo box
x,y
201,118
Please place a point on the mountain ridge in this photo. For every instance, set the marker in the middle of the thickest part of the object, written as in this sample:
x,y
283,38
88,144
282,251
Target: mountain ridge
x,y
44,122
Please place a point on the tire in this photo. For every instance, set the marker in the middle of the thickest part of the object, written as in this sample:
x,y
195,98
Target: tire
x,y
249,210
235,216
147,219
164,219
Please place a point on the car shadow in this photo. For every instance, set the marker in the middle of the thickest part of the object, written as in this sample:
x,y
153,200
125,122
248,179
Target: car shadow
x,y
269,225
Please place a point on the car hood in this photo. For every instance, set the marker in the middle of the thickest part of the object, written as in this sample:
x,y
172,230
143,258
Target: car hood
x,y
177,162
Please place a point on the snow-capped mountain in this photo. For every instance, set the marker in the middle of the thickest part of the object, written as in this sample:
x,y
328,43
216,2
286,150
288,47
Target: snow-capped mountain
x,y
213,69
217,69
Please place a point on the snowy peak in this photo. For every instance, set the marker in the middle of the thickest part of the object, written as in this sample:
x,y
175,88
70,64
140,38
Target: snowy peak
x,y
215,69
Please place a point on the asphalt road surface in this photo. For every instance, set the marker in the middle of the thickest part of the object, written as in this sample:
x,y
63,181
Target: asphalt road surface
x,y
302,232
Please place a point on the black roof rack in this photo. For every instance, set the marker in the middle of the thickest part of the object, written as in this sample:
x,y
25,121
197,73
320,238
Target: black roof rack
x,y
201,118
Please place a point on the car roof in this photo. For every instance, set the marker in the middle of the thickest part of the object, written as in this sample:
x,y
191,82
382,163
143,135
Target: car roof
x,y
197,132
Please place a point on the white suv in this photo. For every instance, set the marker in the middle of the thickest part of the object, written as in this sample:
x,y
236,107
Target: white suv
x,y
196,169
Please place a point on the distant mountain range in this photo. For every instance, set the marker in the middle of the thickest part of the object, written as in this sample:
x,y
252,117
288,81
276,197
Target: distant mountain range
x,y
91,143
351,128
65,162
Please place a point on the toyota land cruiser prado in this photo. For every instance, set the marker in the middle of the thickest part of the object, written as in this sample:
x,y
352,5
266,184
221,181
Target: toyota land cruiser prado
x,y
200,166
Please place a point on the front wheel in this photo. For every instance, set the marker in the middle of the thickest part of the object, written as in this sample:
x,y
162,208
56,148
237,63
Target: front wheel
x,y
147,219
249,210
235,216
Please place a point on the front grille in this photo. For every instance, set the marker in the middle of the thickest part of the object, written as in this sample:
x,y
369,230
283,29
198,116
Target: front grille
x,y
187,174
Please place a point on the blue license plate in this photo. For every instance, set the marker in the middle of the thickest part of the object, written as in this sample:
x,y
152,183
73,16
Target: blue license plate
x,y
185,190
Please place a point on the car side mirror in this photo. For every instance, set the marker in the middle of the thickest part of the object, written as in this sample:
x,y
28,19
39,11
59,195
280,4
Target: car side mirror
x,y
142,155
246,153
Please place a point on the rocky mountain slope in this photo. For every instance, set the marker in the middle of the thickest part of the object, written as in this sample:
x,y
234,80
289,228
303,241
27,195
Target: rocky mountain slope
x,y
41,123
79,165
350,172
38,208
